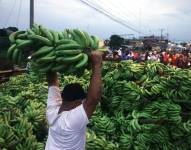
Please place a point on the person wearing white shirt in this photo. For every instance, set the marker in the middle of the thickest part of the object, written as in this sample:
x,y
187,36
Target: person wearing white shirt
x,y
68,113
119,52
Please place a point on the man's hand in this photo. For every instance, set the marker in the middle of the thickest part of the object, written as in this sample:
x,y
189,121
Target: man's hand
x,y
52,79
97,57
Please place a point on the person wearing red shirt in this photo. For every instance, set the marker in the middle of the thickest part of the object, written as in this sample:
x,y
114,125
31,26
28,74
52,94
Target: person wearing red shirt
x,y
165,58
174,60
135,55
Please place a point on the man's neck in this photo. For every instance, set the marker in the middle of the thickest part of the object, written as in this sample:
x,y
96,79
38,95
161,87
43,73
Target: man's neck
x,y
67,106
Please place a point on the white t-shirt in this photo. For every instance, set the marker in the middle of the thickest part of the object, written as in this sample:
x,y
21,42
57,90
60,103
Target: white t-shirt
x,y
67,130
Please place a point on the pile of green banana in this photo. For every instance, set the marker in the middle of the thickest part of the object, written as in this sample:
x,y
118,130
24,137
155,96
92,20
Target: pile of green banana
x,y
22,121
149,103
66,51
95,142
143,107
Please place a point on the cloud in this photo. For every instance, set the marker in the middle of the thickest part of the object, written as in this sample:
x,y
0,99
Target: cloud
x,y
141,14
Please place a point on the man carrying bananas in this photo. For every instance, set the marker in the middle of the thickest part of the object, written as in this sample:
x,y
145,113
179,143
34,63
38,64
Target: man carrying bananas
x,y
68,113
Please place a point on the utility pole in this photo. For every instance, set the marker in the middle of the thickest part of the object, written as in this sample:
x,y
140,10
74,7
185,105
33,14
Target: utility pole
x,y
161,30
167,35
31,13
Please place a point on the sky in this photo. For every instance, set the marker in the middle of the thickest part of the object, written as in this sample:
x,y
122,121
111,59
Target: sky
x,y
146,16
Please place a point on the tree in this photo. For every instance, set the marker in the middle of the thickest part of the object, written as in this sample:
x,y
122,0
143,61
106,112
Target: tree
x,y
116,41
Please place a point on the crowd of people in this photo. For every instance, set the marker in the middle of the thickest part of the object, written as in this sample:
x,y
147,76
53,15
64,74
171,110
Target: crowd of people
x,y
180,59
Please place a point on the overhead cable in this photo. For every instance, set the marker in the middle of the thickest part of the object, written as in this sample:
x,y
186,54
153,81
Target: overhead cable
x,y
109,15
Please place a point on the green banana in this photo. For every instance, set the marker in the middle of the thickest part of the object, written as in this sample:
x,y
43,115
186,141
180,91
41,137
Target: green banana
x,y
31,32
15,55
75,37
67,52
59,67
22,36
36,29
135,124
81,36
55,35
42,51
60,35
83,62
69,59
65,34
96,42
68,46
23,43
10,51
65,41
40,39
47,59
47,33
14,35
88,38
19,58
47,68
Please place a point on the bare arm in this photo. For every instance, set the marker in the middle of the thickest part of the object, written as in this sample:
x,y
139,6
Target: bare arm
x,y
94,91
54,96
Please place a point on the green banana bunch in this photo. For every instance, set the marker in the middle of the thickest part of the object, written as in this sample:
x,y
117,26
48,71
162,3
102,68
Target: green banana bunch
x,y
94,142
103,125
125,142
16,50
84,39
35,114
66,52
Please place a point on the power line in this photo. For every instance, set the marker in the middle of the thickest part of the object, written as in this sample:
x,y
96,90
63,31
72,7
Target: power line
x,y
145,25
111,10
117,11
136,19
109,15
133,15
117,5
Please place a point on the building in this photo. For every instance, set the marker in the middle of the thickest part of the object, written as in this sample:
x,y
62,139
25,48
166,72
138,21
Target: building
x,y
154,41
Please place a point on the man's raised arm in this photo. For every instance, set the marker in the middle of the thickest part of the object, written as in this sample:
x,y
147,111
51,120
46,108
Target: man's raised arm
x,y
54,96
94,91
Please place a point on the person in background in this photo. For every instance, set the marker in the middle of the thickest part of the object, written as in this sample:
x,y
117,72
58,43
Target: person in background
x,y
170,59
116,56
149,56
142,57
124,53
174,60
146,55
135,55
189,58
68,113
119,51
180,61
185,58
154,56
161,57
130,55
165,58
